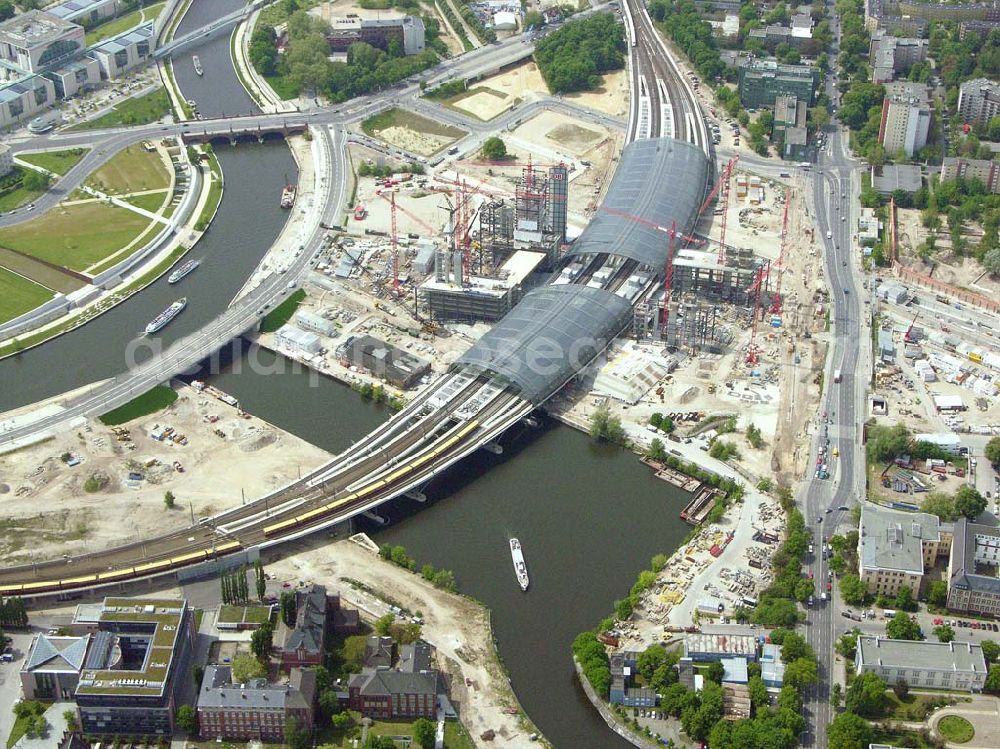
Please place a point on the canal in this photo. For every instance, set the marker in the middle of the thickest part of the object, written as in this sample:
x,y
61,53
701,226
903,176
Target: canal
x,y
589,519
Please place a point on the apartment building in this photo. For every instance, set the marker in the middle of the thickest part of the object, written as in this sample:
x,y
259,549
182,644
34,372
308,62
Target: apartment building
x,y
906,117
978,101
256,711
986,171
973,566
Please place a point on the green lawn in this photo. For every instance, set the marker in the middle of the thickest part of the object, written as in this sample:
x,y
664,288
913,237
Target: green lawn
x,y
282,313
132,169
57,279
282,86
17,196
150,202
76,236
123,23
139,110
20,726
19,295
229,614
396,117
956,729
916,706
149,402
208,212
59,162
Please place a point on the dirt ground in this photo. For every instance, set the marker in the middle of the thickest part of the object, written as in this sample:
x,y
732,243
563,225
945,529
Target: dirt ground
x,y
425,144
457,628
611,97
43,492
963,272
486,103
523,82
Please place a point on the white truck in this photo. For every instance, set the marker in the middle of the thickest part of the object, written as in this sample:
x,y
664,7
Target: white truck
x,y
837,375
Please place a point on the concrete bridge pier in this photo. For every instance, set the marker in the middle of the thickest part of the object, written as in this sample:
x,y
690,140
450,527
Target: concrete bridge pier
x,y
416,496
493,447
372,515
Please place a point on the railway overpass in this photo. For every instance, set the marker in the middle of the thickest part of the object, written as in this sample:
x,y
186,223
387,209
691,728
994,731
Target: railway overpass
x,y
543,343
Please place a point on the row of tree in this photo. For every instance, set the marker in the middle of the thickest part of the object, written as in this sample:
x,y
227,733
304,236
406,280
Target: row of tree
x,y
235,588
13,612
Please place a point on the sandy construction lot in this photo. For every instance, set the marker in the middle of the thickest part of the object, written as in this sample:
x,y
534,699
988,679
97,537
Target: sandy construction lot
x,y
523,82
562,133
486,103
456,627
610,97
45,510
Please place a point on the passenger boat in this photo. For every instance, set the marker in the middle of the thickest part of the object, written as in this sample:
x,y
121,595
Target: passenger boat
x,y
288,196
520,569
182,271
197,65
160,321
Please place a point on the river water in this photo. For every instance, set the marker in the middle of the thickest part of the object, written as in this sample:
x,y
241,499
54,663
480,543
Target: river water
x,y
589,518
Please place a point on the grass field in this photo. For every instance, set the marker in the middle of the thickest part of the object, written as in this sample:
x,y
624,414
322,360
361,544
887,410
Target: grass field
x,y
20,726
150,202
19,295
123,23
18,196
59,162
282,313
148,403
131,170
56,279
282,86
235,614
401,118
76,236
955,728
139,110
211,203
455,735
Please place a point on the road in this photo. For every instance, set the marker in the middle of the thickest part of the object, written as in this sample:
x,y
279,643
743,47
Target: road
x,y
836,199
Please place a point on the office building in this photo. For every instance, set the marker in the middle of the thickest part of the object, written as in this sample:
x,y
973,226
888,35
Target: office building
x,y
35,41
136,669
125,52
51,670
762,81
986,171
892,177
973,581
906,118
297,341
896,547
378,32
87,13
623,692
257,710
891,55
958,666
978,101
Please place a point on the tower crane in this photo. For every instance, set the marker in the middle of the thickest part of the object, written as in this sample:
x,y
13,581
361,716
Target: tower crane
x,y
753,351
776,301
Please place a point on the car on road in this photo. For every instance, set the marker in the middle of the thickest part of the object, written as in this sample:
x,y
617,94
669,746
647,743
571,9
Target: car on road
x,y
828,510
819,519
938,621
829,587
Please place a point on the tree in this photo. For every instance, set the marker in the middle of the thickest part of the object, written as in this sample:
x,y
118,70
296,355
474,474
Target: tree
x,y
904,600
383,623
187,720
901,688
758,694
425,733
991,651
607,427
801,673
649,660
903,627
937,593
261,580
297,735
533,18
794,646
849,731
246,667
969,502
7,10
866,695
944,633
342,721
169,500
716,672
853,590
657,450
940,504
36,181
494,149
992,451
836,695
288,609
261,641
379,742
70,717
804,588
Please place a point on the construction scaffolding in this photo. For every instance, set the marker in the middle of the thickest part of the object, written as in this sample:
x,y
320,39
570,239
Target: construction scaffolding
x,y
496,231
685,326
700,274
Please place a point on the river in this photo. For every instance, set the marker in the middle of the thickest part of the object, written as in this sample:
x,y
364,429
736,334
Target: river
x,y
589,517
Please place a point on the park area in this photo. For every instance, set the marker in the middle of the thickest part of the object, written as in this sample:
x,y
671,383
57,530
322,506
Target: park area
x,y
79,236
58,162
19,295
137,110
119,25
132,170
410,131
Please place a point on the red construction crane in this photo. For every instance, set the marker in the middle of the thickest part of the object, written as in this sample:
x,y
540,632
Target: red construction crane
x,y
776,302
410,214
727,173
908,335
395,246
753,352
